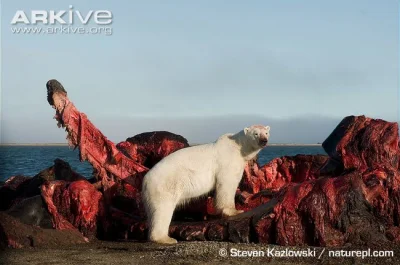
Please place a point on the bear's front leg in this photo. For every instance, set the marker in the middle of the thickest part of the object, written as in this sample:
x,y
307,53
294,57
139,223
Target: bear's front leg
x,y
224,198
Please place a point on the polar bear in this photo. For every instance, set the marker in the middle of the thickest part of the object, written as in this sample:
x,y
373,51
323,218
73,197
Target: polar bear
x,y
195,171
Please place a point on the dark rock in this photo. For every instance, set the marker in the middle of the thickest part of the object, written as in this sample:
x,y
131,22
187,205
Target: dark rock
x,y
32,211
15,234
12,190
149,148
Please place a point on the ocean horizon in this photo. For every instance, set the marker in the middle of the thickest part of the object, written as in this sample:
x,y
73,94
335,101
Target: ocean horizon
x,y
191,144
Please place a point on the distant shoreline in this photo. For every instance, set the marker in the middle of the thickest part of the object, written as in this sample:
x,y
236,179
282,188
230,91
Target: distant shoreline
x,y
65,144
38,144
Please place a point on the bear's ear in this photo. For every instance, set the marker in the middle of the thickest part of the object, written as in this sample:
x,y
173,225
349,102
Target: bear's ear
x,y
267,128
246,130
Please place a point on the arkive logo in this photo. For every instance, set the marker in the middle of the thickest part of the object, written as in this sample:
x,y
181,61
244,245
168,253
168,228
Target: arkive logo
x,y
63,17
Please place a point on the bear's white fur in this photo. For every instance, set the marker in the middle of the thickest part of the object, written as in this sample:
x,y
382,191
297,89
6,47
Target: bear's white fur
x,y
195,171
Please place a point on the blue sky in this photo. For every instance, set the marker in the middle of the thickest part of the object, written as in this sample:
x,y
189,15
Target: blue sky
x,y
207,67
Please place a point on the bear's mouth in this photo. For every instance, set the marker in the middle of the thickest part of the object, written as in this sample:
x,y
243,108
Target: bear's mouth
x,y
263,142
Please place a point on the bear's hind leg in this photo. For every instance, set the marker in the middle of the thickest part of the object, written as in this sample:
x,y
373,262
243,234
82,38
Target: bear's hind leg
x,y
159,222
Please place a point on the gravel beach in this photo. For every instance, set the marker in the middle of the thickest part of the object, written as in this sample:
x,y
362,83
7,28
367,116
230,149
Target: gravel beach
x,y
101,252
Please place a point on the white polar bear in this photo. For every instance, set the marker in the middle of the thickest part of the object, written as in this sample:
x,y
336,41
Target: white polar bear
x,y
195,171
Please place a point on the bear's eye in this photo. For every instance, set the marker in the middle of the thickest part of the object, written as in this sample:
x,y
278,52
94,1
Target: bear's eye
x,y
256,134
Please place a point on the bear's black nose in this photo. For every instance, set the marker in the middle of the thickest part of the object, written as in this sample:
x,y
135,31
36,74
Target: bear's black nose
x,y
263,142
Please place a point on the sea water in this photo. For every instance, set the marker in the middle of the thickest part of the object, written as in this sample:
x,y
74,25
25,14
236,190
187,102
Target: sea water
x,y
30,160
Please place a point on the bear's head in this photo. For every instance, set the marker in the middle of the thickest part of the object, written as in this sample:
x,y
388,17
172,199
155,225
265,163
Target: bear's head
x,y
257,135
